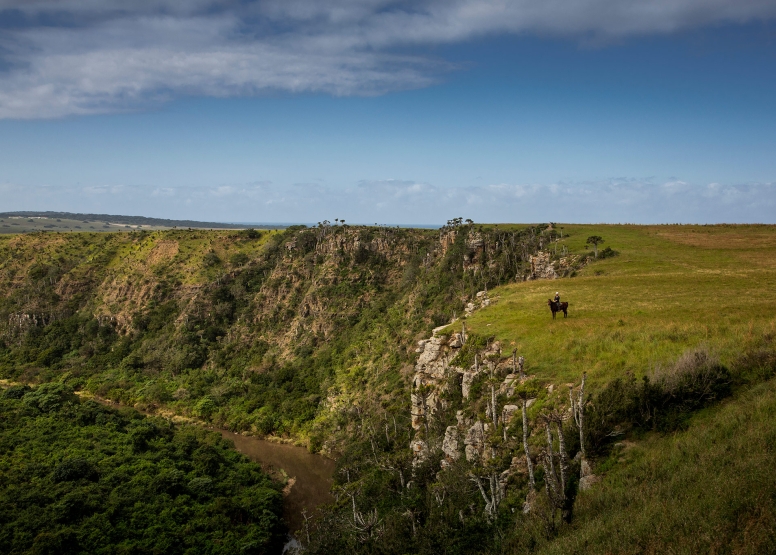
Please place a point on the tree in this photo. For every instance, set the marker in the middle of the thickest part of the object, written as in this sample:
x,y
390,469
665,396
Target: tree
x,y
594,240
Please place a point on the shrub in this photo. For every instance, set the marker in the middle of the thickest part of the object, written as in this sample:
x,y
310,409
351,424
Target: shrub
x,y
16,391
251,234
695,380
661,402
50,397
608,252
74,469
238,259
210,259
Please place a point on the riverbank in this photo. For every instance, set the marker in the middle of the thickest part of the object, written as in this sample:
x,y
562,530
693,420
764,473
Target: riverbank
x,y
308,477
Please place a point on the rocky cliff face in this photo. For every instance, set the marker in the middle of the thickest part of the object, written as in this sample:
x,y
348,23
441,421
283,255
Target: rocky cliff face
x,y
436,364
257,331
545,266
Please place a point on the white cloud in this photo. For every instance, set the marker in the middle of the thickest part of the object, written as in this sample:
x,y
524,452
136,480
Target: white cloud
x,y
71,57
407,202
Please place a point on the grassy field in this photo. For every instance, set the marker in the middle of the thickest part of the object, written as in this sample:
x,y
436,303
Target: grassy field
x,y
670,288
710,489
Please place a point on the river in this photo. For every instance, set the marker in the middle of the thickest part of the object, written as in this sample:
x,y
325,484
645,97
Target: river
x,y
310,476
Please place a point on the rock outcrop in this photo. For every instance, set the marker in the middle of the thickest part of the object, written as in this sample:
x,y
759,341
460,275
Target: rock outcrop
x,y
430,373
450,445
542,266
475,442
587,478
419,450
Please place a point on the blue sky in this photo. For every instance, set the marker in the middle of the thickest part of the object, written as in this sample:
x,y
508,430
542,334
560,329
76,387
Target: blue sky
x,y
374,112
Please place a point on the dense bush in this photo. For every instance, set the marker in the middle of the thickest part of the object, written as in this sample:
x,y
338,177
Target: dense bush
x,y
660,402
608,252
77,477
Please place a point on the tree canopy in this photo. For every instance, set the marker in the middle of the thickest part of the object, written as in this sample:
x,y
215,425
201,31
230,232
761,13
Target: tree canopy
x,y
78,477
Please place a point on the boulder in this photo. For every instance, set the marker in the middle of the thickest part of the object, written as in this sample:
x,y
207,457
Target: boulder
x,y
587,478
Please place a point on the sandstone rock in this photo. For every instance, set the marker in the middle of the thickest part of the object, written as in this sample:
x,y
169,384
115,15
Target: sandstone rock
x,y
419,451
433,360
587,478
431,369
450,443
466,383
455,341
432,400
588,482
542,267
475,441
507,387
474,240
462,420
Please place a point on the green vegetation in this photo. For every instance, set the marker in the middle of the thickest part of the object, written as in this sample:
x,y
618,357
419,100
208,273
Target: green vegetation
x,y
77,477
670,289
709,489
311,334
629,438
250,331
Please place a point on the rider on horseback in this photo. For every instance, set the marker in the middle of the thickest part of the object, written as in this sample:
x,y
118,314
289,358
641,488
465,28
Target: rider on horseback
x,y
557,299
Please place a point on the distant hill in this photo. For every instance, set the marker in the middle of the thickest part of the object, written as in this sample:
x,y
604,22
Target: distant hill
x,y
131,220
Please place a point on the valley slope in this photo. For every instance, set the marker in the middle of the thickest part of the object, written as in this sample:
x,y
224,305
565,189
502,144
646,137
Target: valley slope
x,y
313,335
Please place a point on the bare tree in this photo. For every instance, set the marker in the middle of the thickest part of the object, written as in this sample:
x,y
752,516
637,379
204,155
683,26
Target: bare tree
x,y
529,464
493,404
578,411
556,478
497,492
423,393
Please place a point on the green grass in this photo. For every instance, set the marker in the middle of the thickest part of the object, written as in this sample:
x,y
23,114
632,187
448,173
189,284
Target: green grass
x,y
670,288
710,489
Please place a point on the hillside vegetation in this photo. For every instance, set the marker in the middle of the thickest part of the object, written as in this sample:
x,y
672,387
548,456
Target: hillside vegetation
x,y
709,489
258,331
77,477
324,336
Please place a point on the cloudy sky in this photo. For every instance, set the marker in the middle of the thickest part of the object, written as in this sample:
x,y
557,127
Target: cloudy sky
x,y
391,111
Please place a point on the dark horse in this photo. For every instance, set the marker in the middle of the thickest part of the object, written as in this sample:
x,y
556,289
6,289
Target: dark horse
x,y
558,307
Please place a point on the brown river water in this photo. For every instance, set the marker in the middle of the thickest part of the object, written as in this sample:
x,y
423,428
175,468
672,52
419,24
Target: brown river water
x,y
310,476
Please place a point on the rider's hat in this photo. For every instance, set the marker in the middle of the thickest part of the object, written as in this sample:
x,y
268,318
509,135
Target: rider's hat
x,y
557,293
